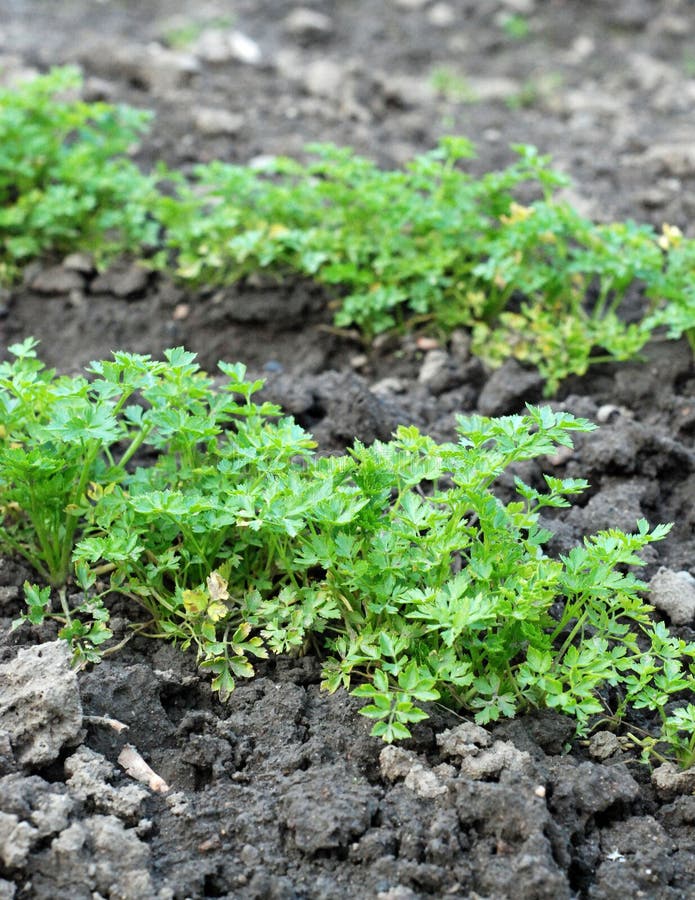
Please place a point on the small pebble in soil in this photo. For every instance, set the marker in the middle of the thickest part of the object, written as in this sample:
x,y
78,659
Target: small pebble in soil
x,y
674,594
79,262
441,15
603,745
359,361
244,49
410,4
607,413
57,280
211,121
560,457
308,25
389,385
670,781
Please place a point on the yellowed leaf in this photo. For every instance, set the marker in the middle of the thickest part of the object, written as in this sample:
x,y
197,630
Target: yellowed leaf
x,y
195,601
217,610
217,586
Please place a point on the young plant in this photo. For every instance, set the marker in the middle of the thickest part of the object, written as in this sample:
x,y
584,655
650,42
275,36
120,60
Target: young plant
x,y
456,588
66,442
574,278
672,290
56,442
394,244
426,245
432,244
515,26
65,180
449,84
398,561
182,35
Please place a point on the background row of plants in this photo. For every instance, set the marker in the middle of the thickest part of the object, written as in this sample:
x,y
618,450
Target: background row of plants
x,y
426,244
398,563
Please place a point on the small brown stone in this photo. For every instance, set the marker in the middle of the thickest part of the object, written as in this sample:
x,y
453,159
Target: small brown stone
x,y
57,280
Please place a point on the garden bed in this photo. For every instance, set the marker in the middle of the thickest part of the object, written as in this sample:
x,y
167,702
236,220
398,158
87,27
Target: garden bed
x,y
280,791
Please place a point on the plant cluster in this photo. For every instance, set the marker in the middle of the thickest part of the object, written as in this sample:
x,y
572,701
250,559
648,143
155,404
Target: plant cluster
x,y
398,563
515,26
187,31
427,244
434,244
451,85
65,178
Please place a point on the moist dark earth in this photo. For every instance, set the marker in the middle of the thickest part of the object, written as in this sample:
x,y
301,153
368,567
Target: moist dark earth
x,y
280,792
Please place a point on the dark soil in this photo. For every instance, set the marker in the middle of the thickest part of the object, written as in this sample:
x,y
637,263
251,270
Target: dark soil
x,y
281,793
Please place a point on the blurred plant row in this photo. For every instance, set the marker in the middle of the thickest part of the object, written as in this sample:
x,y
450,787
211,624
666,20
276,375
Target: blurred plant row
x,y
428,246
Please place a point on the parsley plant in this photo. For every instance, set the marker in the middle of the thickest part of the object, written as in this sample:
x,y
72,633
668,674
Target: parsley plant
x,y
428,245
398,563
65,180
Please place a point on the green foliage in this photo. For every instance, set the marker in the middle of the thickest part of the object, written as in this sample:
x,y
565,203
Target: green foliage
x,y
429,244
180,36
672,289
65,442
397,562
394,243
535,91
56,439
433,244
515,26
452,86
65,180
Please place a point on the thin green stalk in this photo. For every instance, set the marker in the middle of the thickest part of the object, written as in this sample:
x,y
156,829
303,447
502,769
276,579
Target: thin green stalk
x,y
599,309
48,540
73,521
64,606
579,625
135,445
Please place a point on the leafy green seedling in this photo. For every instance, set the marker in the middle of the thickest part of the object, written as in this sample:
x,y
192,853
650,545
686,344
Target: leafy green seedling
x,y
398,563
425,246
452,86
432,244
66,182
515,26
182,35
